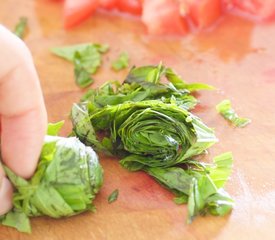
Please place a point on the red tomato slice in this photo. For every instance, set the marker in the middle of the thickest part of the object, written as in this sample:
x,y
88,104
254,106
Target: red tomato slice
x,y
76,11
261,9
130,6
203,12
108,4
163,17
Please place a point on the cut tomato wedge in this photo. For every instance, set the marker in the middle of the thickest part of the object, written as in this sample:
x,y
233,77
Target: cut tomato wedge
x,y
163,17
75,11
203,13
260,9
108,4
130,6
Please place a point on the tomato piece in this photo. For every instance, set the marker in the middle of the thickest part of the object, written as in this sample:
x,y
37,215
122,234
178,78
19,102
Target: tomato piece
x,y
260,9
163,17
204,13
76,11
227,4
130,6
108,4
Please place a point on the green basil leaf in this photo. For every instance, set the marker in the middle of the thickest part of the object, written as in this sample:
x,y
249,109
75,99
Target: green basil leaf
x,y
68,52
121,62
181,199
86,59
82,77
17,220
54,128
200,185
113,196
179,83
21,27
157,134
225,109
65,183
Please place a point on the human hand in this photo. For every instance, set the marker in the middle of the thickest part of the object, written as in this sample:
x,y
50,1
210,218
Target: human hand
x,y
23,117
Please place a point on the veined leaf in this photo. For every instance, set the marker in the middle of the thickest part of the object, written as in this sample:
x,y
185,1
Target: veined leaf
x,y
144,83
150,133
86,59
82,76
65,183
199,185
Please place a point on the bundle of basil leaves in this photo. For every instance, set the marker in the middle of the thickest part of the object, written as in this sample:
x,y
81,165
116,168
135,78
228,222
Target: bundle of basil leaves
x,y
148,124
65,182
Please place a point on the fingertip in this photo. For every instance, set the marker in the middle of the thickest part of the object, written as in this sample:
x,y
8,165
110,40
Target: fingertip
x,y
22,139
22,109
13,50
6,191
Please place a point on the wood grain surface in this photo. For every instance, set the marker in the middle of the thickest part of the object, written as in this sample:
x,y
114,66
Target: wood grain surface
x,y
238,58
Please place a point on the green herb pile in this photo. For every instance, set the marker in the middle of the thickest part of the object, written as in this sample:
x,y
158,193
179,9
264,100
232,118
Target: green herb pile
x,y
147,123
65,183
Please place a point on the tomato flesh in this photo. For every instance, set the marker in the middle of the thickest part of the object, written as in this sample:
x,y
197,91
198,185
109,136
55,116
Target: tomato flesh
x,y
203,13
108,4
260,9
130,6
163,17
76,11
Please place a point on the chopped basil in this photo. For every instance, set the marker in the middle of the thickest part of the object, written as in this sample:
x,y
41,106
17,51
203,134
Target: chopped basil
x,y
225,109
65,183
122,62
87,59
113,196
20,27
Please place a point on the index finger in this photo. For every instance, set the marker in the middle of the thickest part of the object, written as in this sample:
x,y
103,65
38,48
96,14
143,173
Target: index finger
x,y
22,109
5,193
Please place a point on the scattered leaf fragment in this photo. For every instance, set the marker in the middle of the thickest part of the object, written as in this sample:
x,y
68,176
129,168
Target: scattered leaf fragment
x,y
113,196
21,27
122,62
86,58
82,77
225,109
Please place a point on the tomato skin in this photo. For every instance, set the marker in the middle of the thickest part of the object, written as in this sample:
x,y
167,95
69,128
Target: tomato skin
x,y
203,13
108,4
163,17
262,10
76,11
130,6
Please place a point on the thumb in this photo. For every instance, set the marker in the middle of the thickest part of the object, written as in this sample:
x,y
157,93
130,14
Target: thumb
x,y
5,193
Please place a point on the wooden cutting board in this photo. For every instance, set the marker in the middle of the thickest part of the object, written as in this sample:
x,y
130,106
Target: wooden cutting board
x,y
238,58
